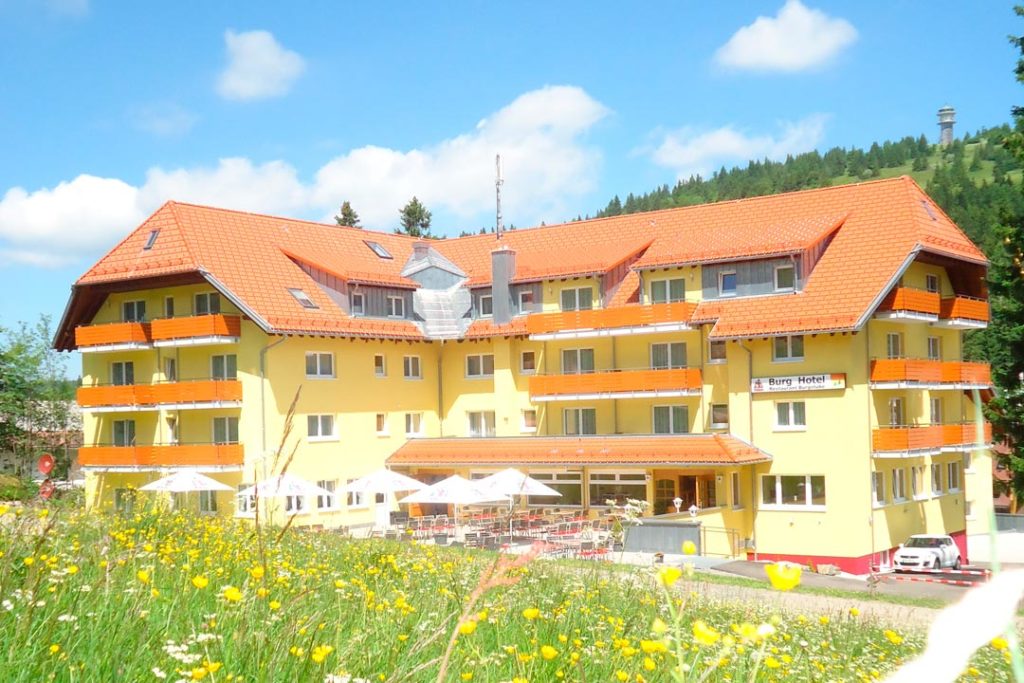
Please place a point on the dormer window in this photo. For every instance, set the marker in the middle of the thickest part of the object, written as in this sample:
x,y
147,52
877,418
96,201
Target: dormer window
x,y
151,240
378,249
358,304
785,278
396,307
302,298
486,306
727,283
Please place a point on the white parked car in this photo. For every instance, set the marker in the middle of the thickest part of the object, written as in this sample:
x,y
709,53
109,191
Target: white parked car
x,y
927,551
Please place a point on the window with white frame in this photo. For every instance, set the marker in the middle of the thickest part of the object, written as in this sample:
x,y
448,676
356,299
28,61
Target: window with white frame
x,y
133,311
727,283
207,303
528,423
168,306
785,278
357,304
953,476
719,416
355,499
935,410
319,365
378,249
525,300
899,485
207,502
896,413
485,305
327,501
225,430
788,348
579,421
528,362
224,366
577,361
790,416
320,428
931,283
665,291
617,486
894,345
668,355
123,432
786,491
936,479
737,491
171,369
878,488
934,348
481,423
411,367
569,484
917,483
671,419
396,307
480,365
413,424
380,368
577,299
294,505
122,373
716,352
245,504
382,424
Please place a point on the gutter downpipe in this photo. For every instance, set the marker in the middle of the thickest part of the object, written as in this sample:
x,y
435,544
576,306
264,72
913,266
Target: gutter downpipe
x,y
750,417
871,455
263,407
440,387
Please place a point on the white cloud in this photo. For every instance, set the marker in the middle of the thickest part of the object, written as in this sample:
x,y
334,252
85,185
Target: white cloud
x,y
258,67
545,163
690,151
796,39
163,119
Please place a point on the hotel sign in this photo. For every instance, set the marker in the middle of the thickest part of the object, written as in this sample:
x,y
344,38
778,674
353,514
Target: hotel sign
x,y
767,385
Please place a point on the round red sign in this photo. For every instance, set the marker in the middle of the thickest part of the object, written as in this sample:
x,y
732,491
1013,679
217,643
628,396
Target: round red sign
x,y
46,489
46,463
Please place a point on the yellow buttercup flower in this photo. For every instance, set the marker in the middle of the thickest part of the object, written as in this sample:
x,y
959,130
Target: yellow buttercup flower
x,y
783,577
689,548
659,627
232,594
531,613
200,581
142,575
548,652
320,653
652,646
771,663
893,637
999,643
467,628
704,634
72,569
667,576
274,604
4,509
256,572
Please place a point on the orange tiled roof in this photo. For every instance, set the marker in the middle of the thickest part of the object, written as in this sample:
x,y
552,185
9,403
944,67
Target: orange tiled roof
x,y
677,450
483,327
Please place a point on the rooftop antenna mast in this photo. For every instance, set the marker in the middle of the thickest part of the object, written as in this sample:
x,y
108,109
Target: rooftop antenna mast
x,y
498,182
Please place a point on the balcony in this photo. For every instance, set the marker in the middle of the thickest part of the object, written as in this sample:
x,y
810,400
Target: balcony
x,y
963,313
611,322
186,395
904,373
964,437
964,375
907,441
664,383
914,305
197,330
212,456
113,337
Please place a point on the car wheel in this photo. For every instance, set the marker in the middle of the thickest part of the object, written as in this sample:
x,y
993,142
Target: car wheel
x,y
958,564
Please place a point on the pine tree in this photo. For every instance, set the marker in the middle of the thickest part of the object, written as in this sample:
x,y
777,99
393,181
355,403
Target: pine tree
x,y
415,219
348,216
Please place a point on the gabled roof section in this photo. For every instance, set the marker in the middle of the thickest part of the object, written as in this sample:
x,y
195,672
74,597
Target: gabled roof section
x,y
433,259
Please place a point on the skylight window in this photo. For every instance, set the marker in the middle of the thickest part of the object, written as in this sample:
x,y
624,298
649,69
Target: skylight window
x,y
152,240
302,298
378,249
928,208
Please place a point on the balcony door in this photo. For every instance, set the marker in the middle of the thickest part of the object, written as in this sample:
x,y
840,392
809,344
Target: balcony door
x,y
896,413
668,355
122,373
124,433
577,361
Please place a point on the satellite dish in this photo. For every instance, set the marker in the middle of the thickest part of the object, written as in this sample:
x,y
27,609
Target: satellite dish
x,y
46,463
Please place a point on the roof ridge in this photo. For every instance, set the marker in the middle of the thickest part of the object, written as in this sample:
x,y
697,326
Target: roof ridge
x,y
123,240
186,235
912,188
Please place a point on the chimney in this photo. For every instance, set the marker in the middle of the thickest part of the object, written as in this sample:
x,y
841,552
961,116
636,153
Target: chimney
x,y
503,269
420,250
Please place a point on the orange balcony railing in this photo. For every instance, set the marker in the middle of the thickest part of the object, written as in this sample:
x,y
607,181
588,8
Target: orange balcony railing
x,y
964,308
166,393
965,435
887,370
907,300
178,455
213,325
979,374
113,333
898,439
632,315
617,382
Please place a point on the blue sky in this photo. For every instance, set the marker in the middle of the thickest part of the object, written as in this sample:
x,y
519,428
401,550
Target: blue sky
x,y
107,109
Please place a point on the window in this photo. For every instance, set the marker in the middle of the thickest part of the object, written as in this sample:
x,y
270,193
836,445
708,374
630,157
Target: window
x,y
396,307
355,499
664,291
481,423
168,306
225,430
319,365
480,365
716,352
664,494
172,431
878,488
411,367
207,502
579,421
320,427
936,479
526,300
952,476
737,492
122,373
790,416
329,501
133,311
917,482
788,491
617,486
224,367
382,424
151,240
671,420
931,283
485,306
379,366
294,504
934,348
245,504
529,421
668,355
785,278
358,305
577,361
935,410
894,345
377,249
899,485
719,416
727,283
171,369
209,302
528,362
579,299
413,424
569,484
124,432
896,412
788,348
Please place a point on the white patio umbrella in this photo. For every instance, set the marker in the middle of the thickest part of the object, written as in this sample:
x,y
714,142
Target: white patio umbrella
x,y
384,481
512,482
284,485
456,491
185,481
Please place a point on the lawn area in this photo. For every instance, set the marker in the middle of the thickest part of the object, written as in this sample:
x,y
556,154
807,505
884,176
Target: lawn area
x,y
165,596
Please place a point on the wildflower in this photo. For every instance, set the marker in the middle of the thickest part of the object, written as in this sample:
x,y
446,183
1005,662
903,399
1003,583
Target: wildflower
x,y
142,575
771,663
893,637
652,646
704,634
232,594
548,652
199,673
689,548
649,664
466,675
200,582
274,604
823,620
467,628
29,561
54,649
999,643
854,612
4,509
72,569
44,513
622,675
262,592
667,576
659,627
531,613
320,653
783,576
256,572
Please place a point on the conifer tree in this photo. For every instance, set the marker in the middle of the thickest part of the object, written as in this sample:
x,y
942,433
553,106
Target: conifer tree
x,y
347,216
415,219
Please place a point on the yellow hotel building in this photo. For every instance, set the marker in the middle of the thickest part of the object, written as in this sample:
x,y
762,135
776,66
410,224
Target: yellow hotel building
x,y
789,365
